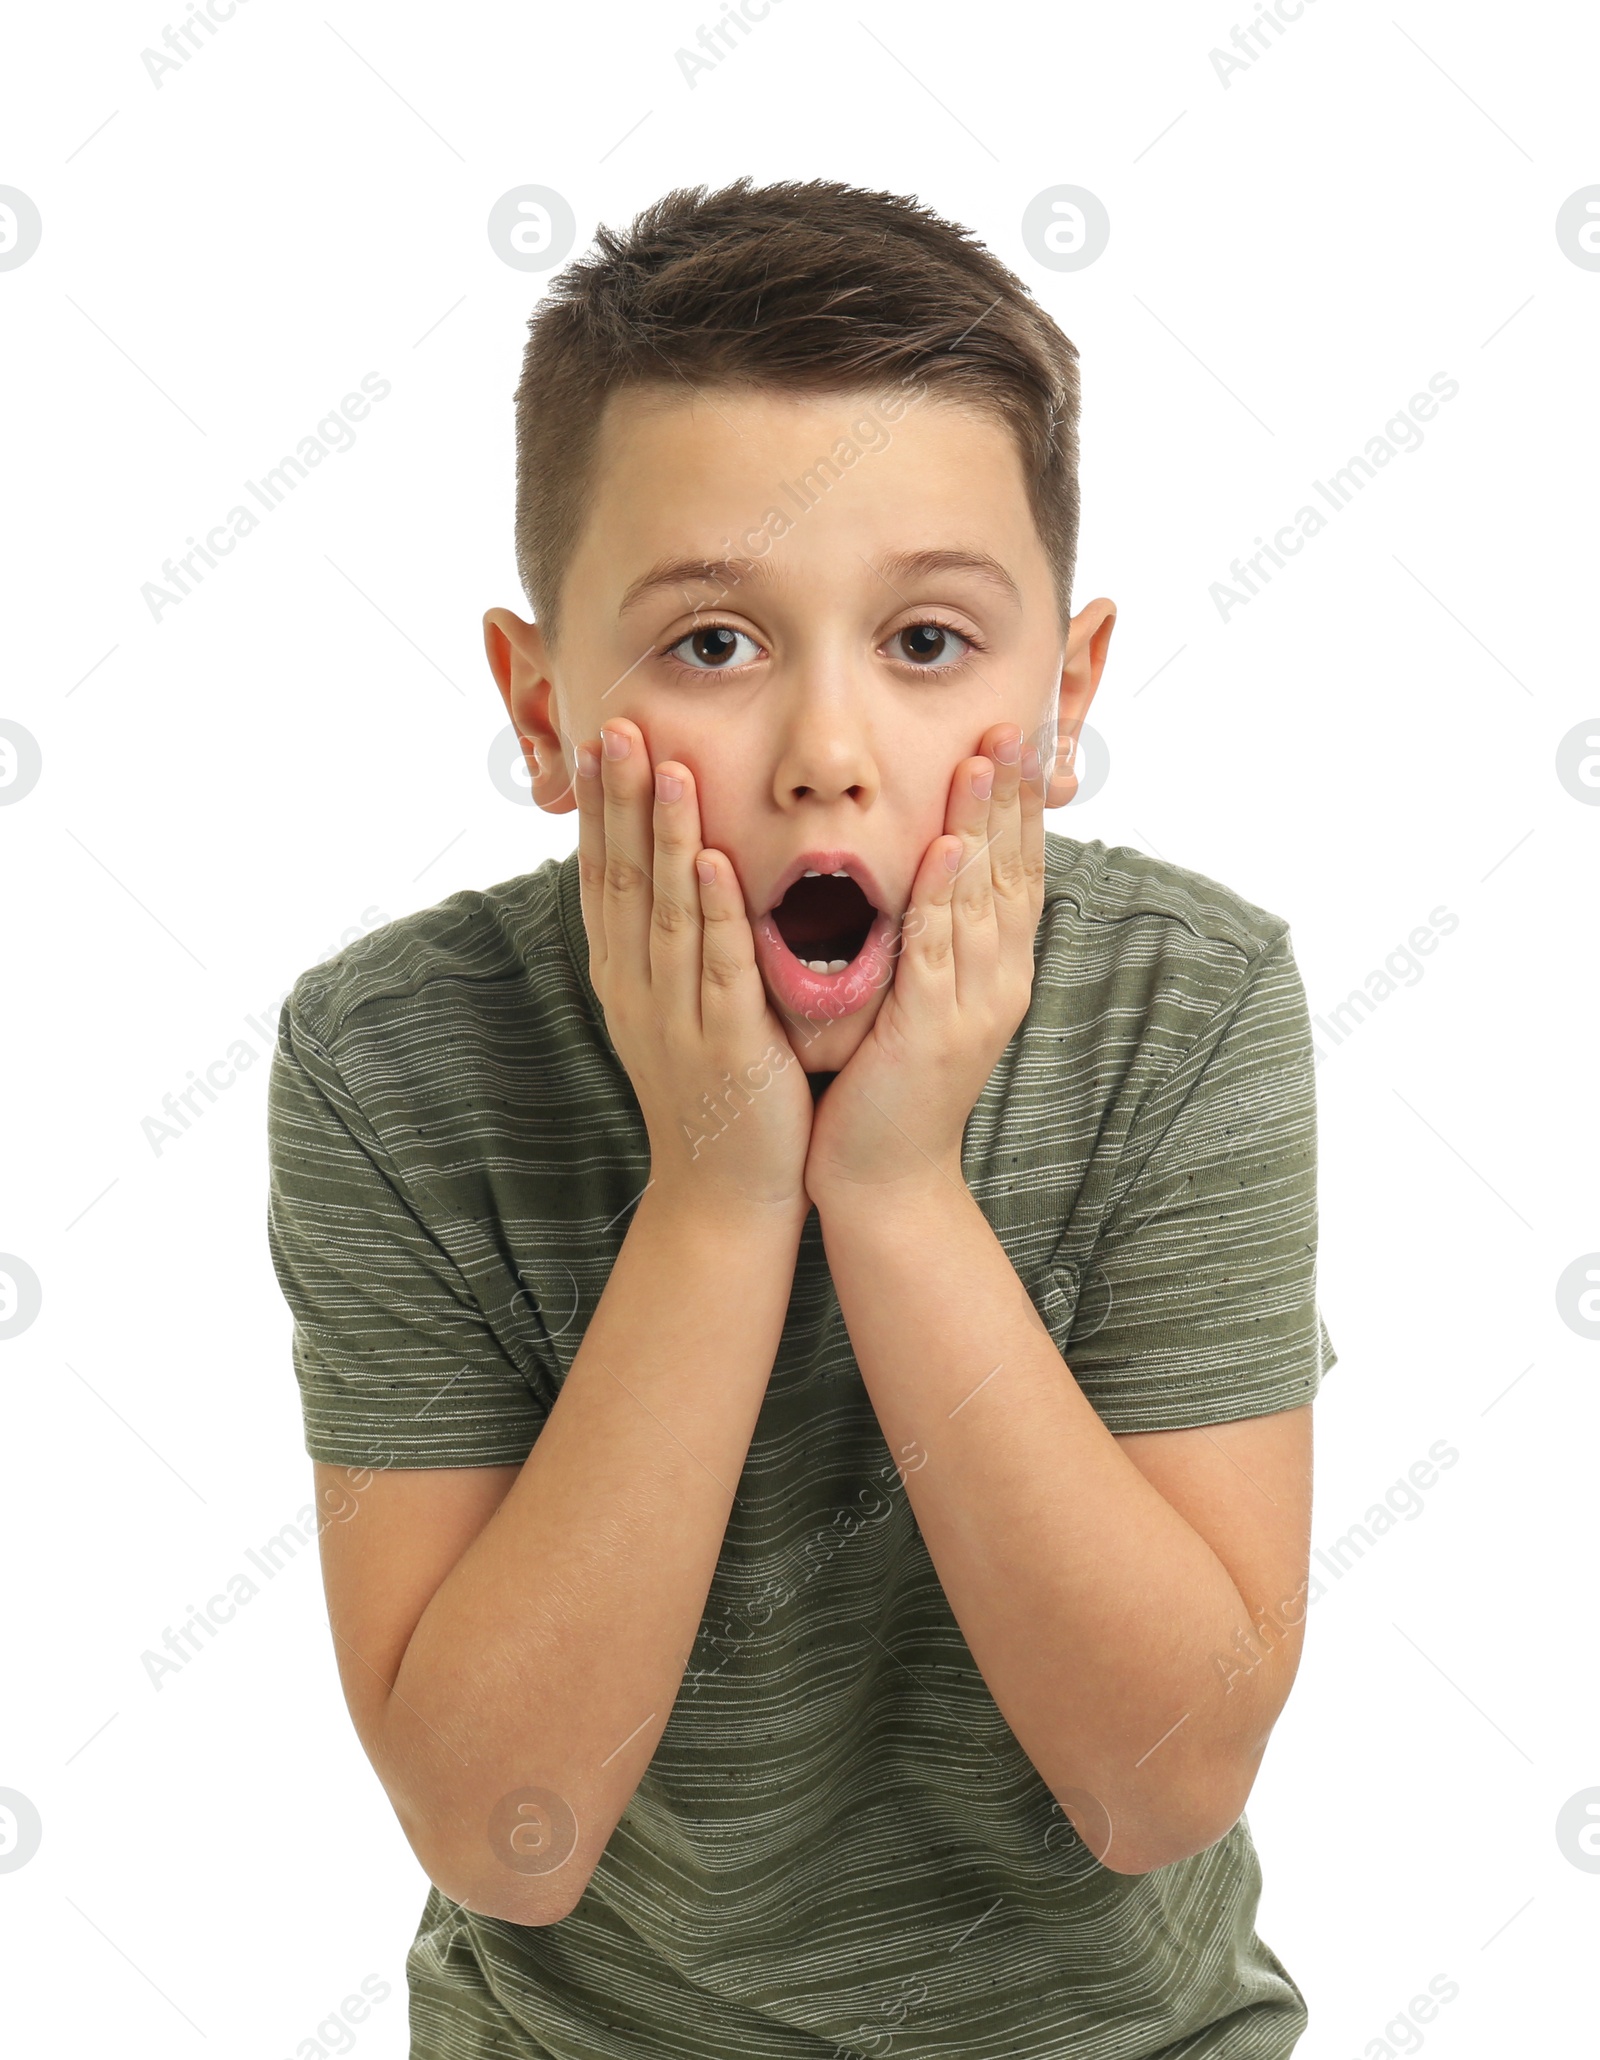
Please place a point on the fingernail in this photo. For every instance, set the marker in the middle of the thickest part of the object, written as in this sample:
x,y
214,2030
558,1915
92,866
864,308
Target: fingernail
x,y
983,784
1008,752
668,786
952,857
588,761
1030,763
617,743
706,868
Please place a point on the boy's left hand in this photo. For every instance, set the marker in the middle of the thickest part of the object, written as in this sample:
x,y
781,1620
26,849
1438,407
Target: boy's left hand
x,y
893,1120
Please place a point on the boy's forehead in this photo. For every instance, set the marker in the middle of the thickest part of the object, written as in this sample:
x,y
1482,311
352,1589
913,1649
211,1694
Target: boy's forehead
x,y
729,471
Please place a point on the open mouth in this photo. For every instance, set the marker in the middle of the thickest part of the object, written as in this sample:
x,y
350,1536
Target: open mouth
x,y
824,920
825,950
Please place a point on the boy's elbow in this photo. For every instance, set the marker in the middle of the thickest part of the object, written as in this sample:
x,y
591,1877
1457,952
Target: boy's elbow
x,y
477,1881
1161,1830
1159,1846
510,1905
508,1897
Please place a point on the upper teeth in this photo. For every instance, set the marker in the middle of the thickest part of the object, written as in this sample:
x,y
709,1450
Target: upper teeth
x,y
811,873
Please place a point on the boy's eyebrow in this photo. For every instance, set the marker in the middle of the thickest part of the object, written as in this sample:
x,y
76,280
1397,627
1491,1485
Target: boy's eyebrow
x,y
727,573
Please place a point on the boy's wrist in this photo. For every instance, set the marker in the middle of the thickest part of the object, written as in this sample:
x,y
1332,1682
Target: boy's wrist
x,y
885,1206
692,1205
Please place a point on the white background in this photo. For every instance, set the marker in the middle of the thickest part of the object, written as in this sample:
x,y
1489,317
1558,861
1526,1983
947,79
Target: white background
x,y
230,791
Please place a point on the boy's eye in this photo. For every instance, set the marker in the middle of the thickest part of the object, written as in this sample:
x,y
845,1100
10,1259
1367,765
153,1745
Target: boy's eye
x,y
716,644
926,641
715,648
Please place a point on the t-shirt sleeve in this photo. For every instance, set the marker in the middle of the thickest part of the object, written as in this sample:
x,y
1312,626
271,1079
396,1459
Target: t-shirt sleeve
x,y
396,1363
1198,1303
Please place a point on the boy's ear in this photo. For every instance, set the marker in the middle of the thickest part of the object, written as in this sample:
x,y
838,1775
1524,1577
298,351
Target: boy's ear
x,y
1088,640
517,658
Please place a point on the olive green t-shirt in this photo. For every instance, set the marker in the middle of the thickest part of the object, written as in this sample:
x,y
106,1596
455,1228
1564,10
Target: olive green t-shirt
x,y
839,1849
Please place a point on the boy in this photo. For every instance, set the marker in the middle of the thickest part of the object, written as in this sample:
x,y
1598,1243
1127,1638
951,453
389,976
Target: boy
x,y
805,1309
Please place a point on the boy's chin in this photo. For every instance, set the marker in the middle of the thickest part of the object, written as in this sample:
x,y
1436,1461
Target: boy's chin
x,y
824,1047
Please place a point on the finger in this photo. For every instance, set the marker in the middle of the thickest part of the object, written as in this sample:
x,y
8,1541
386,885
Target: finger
x,y
1008,875
1032,805
626,782
732,998
675,919
926,976
977,943
592,853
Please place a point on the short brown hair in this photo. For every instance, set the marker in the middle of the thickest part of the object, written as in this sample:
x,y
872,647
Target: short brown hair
x,y
802,285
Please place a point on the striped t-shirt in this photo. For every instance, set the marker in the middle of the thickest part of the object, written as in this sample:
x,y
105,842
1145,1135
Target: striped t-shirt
x,y
839,1850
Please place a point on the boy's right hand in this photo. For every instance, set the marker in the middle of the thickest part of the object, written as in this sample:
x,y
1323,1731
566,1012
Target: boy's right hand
x,y
671,956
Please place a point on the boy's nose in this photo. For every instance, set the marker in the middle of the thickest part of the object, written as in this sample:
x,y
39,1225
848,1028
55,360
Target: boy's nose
x,y
825,754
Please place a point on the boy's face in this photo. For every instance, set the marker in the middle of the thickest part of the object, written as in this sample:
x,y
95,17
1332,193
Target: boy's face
x,y
823,687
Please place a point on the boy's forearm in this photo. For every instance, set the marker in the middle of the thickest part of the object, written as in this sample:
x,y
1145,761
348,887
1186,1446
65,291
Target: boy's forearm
x,y
551,1656
1093,1610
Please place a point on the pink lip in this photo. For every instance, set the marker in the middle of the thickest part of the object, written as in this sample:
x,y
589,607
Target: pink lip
x,y
823,998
